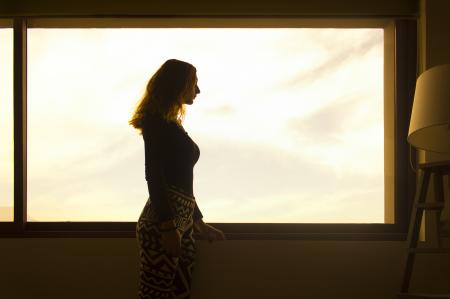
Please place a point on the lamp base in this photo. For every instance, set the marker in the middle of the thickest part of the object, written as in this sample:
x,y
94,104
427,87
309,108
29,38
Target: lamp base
x,y
432,157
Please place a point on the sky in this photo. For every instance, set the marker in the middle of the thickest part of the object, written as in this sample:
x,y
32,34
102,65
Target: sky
x,y
6,125
289,123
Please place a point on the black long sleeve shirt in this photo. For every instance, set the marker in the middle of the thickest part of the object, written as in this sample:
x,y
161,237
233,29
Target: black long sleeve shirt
x,y
170,156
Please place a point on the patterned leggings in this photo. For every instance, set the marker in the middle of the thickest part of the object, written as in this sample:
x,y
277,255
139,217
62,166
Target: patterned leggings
x,y
162,276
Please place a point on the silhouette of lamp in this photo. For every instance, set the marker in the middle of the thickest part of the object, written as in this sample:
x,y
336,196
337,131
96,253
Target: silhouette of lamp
x,y
429,130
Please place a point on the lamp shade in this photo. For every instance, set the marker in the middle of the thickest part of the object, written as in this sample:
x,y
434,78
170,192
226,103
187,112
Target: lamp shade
x,y
429,128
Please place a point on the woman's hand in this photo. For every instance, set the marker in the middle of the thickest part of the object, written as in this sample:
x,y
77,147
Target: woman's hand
x,y
208,232
170,238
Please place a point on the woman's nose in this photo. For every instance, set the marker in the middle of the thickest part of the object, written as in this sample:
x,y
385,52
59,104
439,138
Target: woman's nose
x,y
197,90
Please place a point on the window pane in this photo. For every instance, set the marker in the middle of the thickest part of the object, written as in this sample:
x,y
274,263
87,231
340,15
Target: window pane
x,y
6,125
289,122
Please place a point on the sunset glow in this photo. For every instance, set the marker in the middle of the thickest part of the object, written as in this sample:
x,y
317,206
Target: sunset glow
x,y
289,122
6,125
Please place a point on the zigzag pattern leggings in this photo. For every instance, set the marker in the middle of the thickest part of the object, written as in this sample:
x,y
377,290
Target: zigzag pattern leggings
x,y
162,276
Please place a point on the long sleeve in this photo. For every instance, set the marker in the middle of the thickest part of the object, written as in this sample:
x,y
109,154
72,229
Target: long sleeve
x,y
155,163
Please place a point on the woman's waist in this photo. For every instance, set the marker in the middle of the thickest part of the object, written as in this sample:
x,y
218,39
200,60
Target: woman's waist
x,y
179,196
183,189
181,204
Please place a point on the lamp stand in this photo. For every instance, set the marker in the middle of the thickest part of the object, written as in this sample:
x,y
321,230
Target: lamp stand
x,y
438,170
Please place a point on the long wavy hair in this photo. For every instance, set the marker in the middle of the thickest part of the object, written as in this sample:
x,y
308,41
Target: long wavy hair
x,y
164,94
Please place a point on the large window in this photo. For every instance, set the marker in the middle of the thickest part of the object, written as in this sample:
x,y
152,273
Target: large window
x,y
289,121
6,124
301,123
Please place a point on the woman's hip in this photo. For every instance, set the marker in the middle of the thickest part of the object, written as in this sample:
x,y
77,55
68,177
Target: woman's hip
x,y
181,204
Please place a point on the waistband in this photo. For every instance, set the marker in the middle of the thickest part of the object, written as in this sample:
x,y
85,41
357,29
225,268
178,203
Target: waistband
x,y
181,203
174,191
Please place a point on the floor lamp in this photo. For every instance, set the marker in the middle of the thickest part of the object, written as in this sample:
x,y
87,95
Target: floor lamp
x,y
429,130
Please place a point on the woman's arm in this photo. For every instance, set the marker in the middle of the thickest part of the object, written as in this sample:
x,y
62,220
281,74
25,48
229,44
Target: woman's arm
x,y
207,231
156,150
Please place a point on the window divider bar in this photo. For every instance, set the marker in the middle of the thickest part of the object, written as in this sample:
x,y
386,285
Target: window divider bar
x,y
20,123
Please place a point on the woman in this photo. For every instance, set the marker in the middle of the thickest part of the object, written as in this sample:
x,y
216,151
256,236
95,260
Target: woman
x,y
165,228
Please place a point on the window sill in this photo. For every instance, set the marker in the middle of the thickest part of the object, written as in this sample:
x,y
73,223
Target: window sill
x,y
233,231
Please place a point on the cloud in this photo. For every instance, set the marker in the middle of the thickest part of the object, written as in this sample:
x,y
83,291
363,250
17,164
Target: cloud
x,y
250,182
336,58
223,110
242,171
325,124
232,180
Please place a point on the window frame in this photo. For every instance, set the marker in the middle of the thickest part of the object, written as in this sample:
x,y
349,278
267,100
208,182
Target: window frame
x,y
402,73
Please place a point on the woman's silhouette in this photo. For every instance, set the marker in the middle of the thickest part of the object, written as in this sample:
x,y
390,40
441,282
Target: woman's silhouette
x,y
165,227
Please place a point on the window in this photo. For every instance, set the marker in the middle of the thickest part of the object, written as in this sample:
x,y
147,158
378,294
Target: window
x,y
289,122
6,125
282,152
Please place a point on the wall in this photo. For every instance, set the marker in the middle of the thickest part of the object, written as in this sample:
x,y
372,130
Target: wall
x,y
434,49
106,268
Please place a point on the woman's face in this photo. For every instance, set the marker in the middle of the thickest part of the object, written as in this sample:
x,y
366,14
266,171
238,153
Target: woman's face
x,y
192,92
